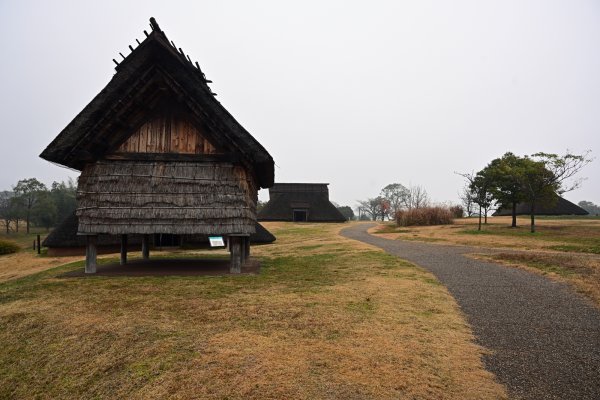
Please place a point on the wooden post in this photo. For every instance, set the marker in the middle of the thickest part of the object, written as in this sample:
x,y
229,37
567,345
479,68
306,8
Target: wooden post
x,y
247,248
90,254
146,247
236,254
123,249
243,249
39,247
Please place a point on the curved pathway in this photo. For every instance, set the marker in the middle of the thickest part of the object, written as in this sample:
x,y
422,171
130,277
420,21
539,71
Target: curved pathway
x,y
545,339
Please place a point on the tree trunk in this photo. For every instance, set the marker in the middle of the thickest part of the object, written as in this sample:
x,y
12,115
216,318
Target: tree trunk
x,y
485,210
479,228
532,217
514,214
17,225
28,222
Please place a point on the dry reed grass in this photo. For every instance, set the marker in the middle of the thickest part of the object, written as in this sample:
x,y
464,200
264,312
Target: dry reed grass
x,y
425,216
327,318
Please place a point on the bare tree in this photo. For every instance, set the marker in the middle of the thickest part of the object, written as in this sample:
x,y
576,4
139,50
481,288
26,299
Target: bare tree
x,y
466,199
547,174
374,207
417,197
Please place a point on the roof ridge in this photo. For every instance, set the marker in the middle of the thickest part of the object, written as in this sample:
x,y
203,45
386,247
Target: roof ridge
x,y
169,44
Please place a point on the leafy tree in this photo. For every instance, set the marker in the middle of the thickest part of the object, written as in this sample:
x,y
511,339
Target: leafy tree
x,y
44,212
7,209
396,196
346,212
538,186
28,191
590,207
63,196
506,173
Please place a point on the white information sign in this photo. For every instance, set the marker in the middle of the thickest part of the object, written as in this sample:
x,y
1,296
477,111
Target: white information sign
x,y
216,241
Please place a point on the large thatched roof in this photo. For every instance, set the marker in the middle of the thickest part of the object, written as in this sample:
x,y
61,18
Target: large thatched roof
x,y
284,198
560,207
152,75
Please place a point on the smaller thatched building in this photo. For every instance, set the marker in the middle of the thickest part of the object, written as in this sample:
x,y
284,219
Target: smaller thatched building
x,y
560,207
300,202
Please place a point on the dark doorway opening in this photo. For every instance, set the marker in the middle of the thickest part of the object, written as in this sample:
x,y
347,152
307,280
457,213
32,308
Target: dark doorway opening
x,y
166,240
300,215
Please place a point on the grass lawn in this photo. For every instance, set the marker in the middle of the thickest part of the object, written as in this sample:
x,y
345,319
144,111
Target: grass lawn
x,y
565,249
327,317
27,261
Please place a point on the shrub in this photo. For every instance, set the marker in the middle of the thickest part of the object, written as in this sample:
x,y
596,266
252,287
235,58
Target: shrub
x,y
424,216
7,247
457,211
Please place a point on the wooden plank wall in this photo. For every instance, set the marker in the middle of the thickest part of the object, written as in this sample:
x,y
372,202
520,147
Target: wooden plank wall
x,y
167,135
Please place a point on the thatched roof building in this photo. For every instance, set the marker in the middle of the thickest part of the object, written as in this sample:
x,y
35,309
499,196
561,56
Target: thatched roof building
x,y
159,154
300,202
560,207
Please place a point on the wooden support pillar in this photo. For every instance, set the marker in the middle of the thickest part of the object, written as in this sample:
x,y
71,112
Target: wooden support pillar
x,y
247,248
146,247
243,249
123,249
90,254
236,254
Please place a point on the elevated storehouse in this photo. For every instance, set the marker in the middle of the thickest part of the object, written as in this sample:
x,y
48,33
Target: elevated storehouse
x,y
158,154
300,202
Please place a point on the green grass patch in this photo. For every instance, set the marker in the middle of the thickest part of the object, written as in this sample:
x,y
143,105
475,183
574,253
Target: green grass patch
x,y
8,247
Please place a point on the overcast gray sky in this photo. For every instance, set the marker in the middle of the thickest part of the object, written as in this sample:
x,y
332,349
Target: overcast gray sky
x,y
358,94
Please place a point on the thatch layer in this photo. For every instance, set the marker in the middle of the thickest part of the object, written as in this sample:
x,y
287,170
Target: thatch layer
x,y
125,197
65,236
284,198
560,206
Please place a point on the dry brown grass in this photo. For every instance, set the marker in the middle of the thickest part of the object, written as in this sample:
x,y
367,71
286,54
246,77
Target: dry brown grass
x,y
553,234
26,261
326,318
563,249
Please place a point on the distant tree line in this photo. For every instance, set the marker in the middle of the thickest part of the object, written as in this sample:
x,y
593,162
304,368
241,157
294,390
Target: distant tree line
x,y
590,207
392,199
509,180
34,203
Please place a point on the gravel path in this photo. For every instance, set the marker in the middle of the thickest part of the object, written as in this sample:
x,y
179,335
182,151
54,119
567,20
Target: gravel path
x,y
545,339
